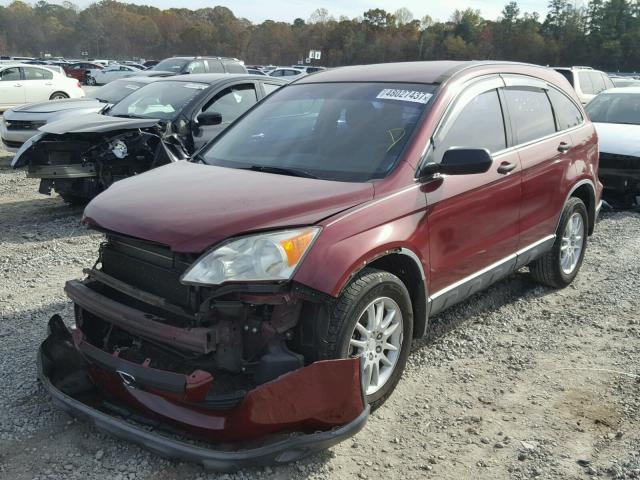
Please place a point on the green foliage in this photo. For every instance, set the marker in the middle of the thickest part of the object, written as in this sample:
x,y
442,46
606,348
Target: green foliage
x,y
603,34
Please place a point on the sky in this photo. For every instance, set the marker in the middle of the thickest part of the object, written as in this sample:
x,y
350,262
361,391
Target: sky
x,y
287,10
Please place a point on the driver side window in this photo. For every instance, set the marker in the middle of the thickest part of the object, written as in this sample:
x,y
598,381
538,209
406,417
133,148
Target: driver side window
x,y
232,102
480,124
10,75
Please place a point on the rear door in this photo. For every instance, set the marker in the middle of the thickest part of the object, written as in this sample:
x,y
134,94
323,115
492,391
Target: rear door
x,y
544,148
230,102
11,87
473,219
38,83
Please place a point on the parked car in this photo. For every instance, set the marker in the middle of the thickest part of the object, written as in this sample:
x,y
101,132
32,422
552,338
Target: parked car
x,y
162,122
191,65
255,71
325,225
625,82
586,81
287,73
150,63
110,73
19,124
616,116
21,84
79,70
309,69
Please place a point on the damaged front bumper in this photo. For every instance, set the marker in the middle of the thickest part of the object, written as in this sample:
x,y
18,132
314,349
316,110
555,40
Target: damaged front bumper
x,y
298,413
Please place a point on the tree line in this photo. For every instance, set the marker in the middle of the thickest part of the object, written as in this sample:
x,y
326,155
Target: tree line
x,y
604,34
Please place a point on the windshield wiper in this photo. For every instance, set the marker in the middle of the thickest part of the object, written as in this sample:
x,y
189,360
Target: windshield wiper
x,y
126,115
281,171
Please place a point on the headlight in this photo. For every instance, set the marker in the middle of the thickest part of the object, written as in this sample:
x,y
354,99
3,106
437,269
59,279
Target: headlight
x,y
263,257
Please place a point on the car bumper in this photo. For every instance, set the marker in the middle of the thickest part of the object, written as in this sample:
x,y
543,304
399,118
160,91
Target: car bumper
x,y
12,140
297,404
86,170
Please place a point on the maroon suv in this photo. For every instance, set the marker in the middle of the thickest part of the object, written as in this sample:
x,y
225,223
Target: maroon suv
x,y
275,282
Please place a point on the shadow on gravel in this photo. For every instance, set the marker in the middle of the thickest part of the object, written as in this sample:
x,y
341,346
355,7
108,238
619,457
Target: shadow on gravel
x,y
516,285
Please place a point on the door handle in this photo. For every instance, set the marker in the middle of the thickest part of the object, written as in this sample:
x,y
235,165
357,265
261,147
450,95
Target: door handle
x,y
506,167
564,147
17,84
48,84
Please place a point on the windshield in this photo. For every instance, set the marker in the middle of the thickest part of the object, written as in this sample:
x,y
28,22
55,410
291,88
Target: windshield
x,y
171,65
335,131
115,91
615,108
163,100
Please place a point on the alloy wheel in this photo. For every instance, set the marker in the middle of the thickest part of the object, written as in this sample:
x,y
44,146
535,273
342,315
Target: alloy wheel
x,y
377,337
572,243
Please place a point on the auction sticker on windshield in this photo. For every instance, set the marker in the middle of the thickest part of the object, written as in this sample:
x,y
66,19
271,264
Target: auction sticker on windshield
x,y
404,95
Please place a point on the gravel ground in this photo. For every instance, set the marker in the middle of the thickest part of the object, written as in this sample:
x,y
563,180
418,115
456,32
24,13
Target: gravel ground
x,y
518,382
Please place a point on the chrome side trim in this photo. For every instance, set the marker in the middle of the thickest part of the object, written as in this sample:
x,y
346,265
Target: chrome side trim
x,y
461,282
481,279
415,258
535,244
573,189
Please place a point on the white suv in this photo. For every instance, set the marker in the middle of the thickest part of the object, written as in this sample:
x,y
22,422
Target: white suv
x,y
586,81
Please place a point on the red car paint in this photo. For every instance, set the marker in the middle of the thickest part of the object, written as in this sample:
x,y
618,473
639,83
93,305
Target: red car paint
x,y
79,70
455,226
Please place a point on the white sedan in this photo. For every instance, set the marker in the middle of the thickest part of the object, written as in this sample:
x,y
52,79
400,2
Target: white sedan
x,y
20,84
616,115
111,73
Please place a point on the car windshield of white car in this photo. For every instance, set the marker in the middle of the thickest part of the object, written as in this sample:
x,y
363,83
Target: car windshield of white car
x,y
171,65
162,100
115,91
615,108
350,132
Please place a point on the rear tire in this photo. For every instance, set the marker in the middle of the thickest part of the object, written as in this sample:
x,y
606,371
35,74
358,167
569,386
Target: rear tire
x,y
384,295
58,96
558,267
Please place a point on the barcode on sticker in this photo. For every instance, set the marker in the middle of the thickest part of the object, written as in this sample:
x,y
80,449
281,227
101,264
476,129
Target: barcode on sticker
x,y
404,95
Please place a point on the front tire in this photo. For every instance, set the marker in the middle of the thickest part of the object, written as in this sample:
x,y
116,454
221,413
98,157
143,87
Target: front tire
x,y
373,319
558,267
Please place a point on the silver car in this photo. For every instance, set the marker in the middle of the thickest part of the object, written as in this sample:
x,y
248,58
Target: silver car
x,y
19,124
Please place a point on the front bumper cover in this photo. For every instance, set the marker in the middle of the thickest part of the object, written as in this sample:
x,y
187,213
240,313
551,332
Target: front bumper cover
x,y
263,405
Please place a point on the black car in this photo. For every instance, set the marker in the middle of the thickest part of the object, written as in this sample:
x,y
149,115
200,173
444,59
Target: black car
x,y
193,65
162,122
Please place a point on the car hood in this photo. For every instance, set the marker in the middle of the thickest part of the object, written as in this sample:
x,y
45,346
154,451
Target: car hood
x,y
95,123
190,207
619,138
55,106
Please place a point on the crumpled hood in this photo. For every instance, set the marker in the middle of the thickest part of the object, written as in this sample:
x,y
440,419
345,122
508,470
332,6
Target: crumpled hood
x,y
192,206
55,105
95,123
619,138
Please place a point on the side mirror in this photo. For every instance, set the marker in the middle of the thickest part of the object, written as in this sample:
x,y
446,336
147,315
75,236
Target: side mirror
x,y
460,161
209,118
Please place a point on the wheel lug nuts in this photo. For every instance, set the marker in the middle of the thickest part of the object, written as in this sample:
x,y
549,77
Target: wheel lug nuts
x,y
378,349
379,336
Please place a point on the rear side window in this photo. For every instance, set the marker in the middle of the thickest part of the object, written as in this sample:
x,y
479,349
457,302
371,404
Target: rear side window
x,y
31,73
215,66
530,113
607,82
597,81
567,114
585,83
234,67
567,74
480,124
196,66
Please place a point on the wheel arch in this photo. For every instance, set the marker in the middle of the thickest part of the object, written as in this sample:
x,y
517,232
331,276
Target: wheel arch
x,y
405,264
586,191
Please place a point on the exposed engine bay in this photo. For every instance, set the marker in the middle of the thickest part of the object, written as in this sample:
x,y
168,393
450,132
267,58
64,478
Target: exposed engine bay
x,y
79,165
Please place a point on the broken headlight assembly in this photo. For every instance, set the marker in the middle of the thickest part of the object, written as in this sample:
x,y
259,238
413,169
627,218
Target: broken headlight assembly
x,y
271,256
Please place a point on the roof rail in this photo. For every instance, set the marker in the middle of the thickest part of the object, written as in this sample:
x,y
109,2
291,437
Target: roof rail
x,y
584,67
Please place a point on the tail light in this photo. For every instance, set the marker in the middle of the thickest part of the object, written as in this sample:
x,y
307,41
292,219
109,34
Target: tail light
x,y
78,84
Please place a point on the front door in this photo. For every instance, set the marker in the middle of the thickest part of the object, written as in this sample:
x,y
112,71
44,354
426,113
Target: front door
x,y
230,103
11,87
473,219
